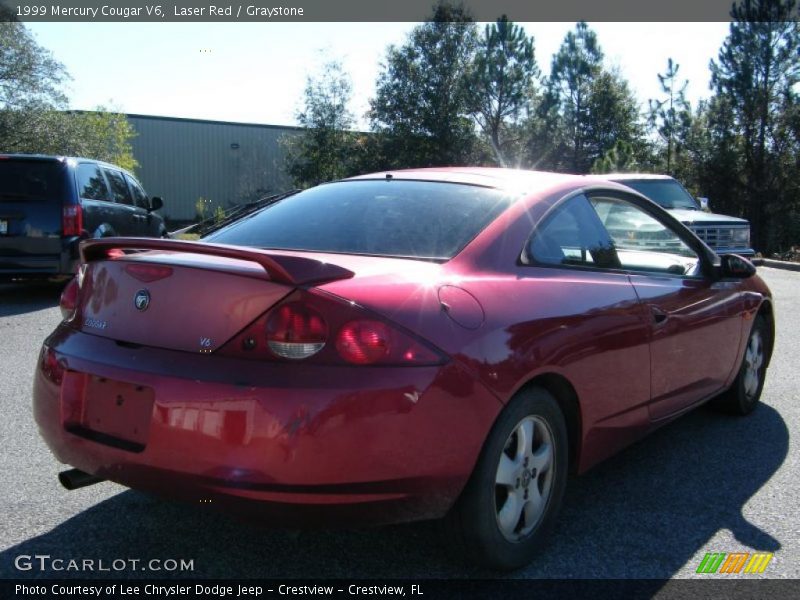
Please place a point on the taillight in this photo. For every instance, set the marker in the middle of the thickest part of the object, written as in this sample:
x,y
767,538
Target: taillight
x,y
52,368
72,220
373,342
296,331
300,327
363,342
69,299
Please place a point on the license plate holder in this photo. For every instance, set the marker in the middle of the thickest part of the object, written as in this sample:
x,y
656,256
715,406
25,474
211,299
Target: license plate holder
x,y
117,409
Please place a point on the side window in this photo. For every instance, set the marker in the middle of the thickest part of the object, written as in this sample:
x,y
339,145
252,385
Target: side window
x,y
643,242
119,188
91,184
573,235
139,197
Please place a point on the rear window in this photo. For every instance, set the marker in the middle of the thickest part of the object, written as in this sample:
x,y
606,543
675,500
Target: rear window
x,y
413,219
668,194
30,180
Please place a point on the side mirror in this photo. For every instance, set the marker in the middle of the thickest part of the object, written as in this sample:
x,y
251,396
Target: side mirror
x,y
156,203
704,204
736,267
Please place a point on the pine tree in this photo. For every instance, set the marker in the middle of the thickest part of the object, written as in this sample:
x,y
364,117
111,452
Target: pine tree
x,y
755,78
421,111
620,158
586,110
671,116
576,65
613,119
504,73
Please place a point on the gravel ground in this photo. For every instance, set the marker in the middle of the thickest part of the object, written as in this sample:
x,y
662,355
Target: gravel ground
x,y
705,483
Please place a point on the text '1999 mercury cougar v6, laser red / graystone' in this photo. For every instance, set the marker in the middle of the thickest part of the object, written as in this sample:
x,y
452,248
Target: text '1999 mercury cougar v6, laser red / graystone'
x,y
434,343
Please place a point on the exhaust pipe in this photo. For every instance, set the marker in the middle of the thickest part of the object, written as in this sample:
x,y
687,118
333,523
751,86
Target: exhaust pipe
x,y
75,478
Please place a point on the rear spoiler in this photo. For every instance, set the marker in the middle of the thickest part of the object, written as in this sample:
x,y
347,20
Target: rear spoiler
x,y
291,270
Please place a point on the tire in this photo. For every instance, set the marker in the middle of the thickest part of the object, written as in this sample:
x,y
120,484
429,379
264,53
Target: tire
x,y
489,525
743,395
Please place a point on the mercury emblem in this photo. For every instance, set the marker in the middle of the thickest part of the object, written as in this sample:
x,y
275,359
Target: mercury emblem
x,y
142,300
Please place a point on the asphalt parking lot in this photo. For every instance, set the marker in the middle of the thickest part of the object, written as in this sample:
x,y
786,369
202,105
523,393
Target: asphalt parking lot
x,y
705,483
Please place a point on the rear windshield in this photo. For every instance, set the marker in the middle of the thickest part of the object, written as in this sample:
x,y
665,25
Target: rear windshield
x,y
30,180
668,194
413,219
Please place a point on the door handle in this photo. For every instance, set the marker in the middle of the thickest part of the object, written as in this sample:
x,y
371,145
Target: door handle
x,y
659,316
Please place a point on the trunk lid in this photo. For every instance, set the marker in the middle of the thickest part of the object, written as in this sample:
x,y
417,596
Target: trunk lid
x,y
185,296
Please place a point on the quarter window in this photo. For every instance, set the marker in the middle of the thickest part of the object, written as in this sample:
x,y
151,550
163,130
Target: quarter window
x,y
91,184
119,188
573,235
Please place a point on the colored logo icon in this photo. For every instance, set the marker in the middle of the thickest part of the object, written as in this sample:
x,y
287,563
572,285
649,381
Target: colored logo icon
x,y
734,563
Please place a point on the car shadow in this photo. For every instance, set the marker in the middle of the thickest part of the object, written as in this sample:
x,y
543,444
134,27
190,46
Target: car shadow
x,y
642,514
18,298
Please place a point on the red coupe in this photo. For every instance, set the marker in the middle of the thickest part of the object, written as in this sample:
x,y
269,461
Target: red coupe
x,y
398,346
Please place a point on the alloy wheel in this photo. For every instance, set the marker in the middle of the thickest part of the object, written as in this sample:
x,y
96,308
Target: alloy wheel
x,y
524,479
753,360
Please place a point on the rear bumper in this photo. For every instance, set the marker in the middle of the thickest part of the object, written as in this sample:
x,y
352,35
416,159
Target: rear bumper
x,y
39,267
30,265
319,446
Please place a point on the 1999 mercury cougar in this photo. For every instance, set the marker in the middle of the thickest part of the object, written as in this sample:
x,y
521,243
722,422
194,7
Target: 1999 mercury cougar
x,y
398,346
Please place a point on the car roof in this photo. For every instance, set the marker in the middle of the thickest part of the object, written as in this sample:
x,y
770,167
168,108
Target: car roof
x,y
506,179
631,176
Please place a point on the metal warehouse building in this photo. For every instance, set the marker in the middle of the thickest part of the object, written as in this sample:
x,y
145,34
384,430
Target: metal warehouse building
x,y
183,160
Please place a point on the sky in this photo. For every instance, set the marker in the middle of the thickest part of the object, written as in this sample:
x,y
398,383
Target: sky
x,y
256,72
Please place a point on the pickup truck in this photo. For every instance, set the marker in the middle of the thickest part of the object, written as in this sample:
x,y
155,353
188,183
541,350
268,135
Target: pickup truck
x,y
723,234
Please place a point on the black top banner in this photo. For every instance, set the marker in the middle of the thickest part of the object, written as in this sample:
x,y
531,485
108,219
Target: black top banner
x,y
358,10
